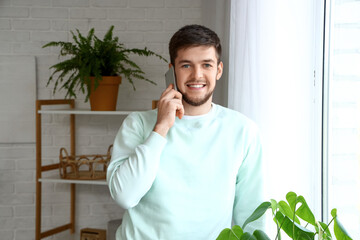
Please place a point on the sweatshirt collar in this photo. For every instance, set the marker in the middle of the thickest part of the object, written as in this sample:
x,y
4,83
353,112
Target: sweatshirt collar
x,y
188,117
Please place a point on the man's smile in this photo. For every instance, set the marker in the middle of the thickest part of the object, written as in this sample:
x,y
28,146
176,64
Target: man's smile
x,y
196,85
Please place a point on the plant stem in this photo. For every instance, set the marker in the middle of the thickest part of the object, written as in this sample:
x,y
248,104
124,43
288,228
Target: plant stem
x,y
278,231
329,223
294,221
279,228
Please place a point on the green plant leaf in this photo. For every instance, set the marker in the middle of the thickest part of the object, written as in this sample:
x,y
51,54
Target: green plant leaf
x,y
339,230
260,235
237,231
259,211
231,234
292,229
303,211
274,206
285,209
225,234
247,236
291,198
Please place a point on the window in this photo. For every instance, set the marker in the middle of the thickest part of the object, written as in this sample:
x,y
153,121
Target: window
x,y
342,113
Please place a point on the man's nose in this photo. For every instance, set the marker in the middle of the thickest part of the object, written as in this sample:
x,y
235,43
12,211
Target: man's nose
x,y
198,73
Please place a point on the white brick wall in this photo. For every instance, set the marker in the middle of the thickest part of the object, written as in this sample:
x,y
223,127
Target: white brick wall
x,y
25,26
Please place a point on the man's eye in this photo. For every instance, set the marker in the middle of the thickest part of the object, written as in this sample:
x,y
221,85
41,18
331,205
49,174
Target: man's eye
x,y
207,65
186,66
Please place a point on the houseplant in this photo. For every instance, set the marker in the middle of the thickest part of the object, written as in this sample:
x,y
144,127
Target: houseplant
x,y
90,61
289,217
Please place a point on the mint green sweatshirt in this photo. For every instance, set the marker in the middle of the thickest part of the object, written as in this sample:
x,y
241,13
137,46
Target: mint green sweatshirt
x,y
205,175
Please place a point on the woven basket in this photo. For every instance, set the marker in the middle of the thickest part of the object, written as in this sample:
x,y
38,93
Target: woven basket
x,y
83,167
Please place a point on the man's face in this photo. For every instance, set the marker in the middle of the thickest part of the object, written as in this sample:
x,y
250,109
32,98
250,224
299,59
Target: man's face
x,y
196,71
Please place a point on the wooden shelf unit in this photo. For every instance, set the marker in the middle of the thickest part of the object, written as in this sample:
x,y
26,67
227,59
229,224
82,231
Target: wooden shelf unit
x,y
44,168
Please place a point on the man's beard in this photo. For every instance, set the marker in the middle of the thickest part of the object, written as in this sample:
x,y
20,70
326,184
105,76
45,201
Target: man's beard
x,y
197,101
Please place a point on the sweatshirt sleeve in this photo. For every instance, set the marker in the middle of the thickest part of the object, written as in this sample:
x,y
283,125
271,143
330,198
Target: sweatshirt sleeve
x,y
134,161
249,184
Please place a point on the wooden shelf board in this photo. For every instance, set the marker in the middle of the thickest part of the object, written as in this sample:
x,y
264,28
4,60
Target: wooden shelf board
x,y
83,112
57,179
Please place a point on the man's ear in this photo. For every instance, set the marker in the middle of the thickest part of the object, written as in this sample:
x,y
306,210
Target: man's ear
x,y
219,70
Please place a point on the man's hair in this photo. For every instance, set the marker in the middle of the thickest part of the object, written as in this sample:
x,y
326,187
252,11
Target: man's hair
x,y
193,36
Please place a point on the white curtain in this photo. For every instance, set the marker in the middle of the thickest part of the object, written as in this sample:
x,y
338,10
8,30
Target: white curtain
x,y
275,79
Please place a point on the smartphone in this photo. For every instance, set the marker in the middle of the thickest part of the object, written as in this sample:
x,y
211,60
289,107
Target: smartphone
x,y
170,77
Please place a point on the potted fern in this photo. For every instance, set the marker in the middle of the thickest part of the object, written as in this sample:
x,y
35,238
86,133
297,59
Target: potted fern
x,y
94,65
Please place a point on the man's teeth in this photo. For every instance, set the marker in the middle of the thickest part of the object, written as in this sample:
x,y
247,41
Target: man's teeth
x,y
196,85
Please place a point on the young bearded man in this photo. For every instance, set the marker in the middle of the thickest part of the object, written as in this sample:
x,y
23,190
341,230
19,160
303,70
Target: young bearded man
x,y
190,168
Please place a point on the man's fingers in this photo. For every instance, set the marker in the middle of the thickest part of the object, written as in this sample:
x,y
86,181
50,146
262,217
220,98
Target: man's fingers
x,y
179,108
180,112
167,90
177,95
170,93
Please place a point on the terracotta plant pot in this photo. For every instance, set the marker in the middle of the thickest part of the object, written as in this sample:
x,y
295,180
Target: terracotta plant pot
x,y
104,98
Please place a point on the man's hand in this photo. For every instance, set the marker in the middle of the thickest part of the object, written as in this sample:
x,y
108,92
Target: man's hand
x,y
169,106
